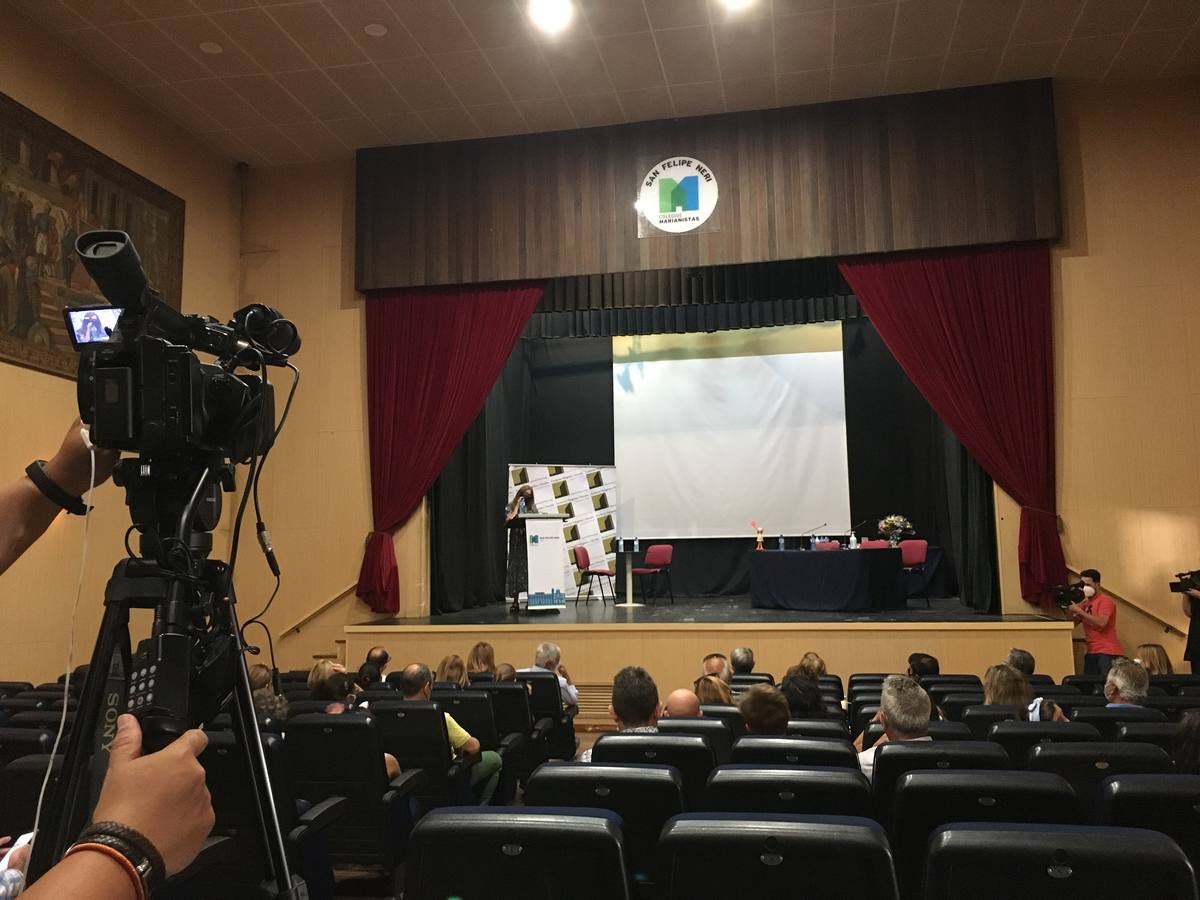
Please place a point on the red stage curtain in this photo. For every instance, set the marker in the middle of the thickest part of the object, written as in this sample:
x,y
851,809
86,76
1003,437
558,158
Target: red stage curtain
x,y
432,356
972,329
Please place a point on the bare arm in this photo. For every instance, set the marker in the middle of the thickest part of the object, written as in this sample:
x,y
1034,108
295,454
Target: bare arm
x,y
91,875
470,751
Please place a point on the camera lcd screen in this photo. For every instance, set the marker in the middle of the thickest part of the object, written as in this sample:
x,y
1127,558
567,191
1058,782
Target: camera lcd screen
x,y
91,325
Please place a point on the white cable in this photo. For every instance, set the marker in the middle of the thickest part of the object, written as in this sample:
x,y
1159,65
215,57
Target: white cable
x,y
62,722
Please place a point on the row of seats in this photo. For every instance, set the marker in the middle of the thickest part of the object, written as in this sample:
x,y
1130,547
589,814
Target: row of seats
x,y
543,852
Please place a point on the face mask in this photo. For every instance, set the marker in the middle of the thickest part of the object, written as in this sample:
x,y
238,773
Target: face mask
x,y
1089,591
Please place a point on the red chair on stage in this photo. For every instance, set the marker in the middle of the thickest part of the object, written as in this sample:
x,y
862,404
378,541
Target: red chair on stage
x,y
583,563
657,562
873,545
827,545
912,557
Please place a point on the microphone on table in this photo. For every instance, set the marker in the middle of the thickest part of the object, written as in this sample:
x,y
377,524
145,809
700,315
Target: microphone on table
x,y
854,528
814,528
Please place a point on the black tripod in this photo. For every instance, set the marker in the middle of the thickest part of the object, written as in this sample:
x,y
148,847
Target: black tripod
x,y
181,676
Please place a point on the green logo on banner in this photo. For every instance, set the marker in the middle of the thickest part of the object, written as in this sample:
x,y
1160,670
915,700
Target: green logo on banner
x,y
679,196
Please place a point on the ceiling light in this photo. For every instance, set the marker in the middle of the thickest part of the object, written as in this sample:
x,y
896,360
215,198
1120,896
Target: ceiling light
x,y
375,29
551,16
737,5
212,48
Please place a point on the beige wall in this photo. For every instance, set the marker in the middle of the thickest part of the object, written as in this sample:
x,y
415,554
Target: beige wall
x,y
298,256
36,595
1127,320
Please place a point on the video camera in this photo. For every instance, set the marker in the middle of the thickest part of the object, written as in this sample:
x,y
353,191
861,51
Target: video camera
x,y
1187,581
1077,592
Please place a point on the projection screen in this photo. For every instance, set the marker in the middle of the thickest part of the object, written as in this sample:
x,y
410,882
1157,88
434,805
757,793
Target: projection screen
x,y
714,430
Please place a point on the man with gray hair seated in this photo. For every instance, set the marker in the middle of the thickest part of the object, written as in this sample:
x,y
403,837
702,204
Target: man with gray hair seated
x,y
548,658
904,712
1127,684
742,660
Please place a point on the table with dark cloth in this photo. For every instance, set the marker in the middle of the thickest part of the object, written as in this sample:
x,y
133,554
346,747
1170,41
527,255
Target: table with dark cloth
x,y
826,580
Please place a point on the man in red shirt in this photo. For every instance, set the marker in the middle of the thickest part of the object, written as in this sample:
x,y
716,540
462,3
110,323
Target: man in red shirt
x,y
1098,616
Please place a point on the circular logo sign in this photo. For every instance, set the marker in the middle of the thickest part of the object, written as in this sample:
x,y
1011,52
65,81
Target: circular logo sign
x,y
678,194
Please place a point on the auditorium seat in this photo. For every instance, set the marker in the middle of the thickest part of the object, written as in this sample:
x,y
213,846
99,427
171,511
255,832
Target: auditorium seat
x,y
831,683
714,730
925,801
812,790
266,724
414,731
1056,692
1164,734
545,702
730,715
242,870
972,682
13,705
745,681
645,797
863,717
864,678
691,754
340,756
48,696
894,760
20,785
968,861
473,711
1082,701
12,688
1106,721
47,720
939,731
1173,684
512,714
774,856
1017,738
302,707
440,687
1087,684
1038,681
532,852
1173,707
1087,764
756,749
833,729
953,705
980,719
18,742
939,692
297,694
1166,803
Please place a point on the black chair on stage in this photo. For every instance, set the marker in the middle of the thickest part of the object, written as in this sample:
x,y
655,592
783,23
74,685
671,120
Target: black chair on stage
x,y
774,856
1166,803
939,731
896,759
794,751
1018,738
1163,734
830,729
815,790
730,715
545,702
531,852
968,861
1085,765
716,731
1107,721
690,754
645,797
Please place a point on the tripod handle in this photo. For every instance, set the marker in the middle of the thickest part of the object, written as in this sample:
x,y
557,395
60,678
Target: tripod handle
x,y
159,728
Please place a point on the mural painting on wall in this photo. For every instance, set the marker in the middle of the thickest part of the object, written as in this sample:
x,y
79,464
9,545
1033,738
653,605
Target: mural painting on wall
x,y
54,187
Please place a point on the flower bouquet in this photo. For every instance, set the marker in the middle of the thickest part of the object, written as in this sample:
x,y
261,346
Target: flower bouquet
x,y
894,527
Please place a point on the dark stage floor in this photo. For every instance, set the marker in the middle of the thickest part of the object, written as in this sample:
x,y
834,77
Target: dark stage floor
x,y
705,609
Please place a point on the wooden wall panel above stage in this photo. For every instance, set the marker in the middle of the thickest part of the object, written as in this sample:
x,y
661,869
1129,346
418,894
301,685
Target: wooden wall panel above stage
x,y
968,166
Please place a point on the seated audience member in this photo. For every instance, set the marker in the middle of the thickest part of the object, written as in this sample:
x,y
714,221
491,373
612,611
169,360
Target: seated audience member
x,y
634,705
1186,748
1003,685
416,683
764,710
1154,659
681,704
1043,709
1127,684
803,697
1021,660
742,660
548,658
712,690
368,676
379,657
904,712
482,658
339,690
451,670
717,664
506,672
922,665
266,701
812,665
322,670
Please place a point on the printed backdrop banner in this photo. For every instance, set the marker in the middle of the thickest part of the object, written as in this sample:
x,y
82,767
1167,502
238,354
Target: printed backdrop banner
x,y
587,496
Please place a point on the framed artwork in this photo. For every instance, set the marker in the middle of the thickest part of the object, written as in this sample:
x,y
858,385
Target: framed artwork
x,y
54,187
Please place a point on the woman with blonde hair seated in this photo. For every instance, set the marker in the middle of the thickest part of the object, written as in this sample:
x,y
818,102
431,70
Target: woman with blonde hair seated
x,y
1004,685
712,690
321,672
481,659
452,670
1154,659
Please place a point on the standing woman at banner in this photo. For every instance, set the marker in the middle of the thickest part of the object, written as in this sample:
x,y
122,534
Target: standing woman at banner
x,y
517,579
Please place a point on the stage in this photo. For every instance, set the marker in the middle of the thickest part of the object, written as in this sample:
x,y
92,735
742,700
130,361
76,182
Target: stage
x,y
670,641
